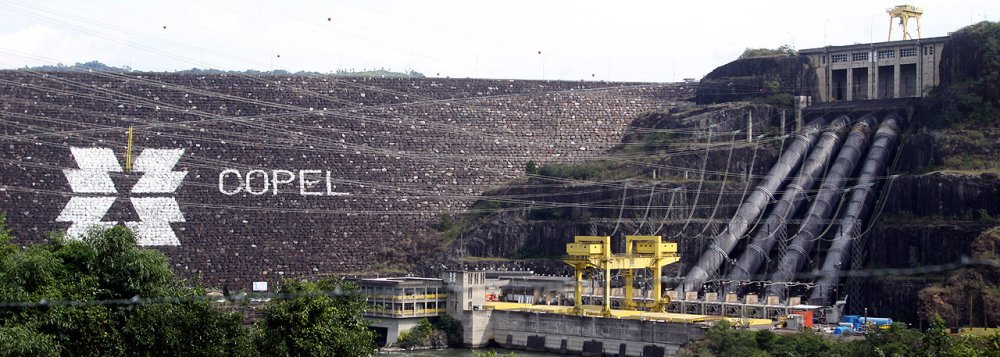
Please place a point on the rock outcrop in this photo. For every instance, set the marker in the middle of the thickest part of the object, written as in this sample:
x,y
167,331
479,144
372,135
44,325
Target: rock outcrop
x,y
750,78
970,296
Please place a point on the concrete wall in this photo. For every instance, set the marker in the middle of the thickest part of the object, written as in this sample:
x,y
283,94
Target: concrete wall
x,y
588,335
896,69
394,327
365,166
477,327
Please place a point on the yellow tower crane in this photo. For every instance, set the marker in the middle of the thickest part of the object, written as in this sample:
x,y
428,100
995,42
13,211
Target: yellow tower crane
x,y
904,13
641,252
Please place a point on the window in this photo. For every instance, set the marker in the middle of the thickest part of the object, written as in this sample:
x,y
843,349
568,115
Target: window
x,y
839,58
928,50
859,56
822,59
886,54
907,52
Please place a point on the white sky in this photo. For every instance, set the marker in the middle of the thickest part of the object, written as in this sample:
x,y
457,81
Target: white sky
x,y
657,41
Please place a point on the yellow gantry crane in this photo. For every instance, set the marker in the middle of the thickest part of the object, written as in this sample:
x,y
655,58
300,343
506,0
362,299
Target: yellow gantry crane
x,y
904,13
641,252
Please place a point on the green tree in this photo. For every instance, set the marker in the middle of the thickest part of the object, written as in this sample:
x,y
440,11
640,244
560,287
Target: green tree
x,y
766,339
187,329
936,341
23,341
320,319
897,340
725,341
447,223
452,329
423,335
106,266
807,343
531,168
415,336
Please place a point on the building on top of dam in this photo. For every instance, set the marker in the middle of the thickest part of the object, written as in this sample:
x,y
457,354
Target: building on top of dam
x,y
882,70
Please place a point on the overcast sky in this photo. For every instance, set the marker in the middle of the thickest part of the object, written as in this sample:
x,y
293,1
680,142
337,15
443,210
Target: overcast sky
x,y
657,41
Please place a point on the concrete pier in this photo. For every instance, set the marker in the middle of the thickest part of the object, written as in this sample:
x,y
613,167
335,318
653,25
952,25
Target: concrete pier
x,y
580,335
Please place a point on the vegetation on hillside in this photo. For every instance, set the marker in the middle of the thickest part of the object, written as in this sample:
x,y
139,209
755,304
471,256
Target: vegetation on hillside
x,y
970,295
562,194
966,105
445,331
897,340
783,50
95,66
970,76
103,295
379,73
591,170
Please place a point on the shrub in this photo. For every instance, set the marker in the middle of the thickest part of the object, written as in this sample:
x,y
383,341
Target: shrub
x,y
452,329
423,335
316,323
24,341
446,224
106,264
783,50
531,168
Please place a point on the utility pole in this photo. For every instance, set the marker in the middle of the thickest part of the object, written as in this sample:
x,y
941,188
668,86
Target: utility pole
x,y
782,122
128,151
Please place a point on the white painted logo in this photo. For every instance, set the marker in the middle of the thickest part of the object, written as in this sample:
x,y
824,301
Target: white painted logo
x,y
94,193
258,182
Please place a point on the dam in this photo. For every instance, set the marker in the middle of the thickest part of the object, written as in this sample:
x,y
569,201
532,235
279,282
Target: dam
x,y
774,208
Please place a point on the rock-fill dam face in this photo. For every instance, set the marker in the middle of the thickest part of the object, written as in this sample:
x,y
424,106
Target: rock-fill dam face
x,y
245,178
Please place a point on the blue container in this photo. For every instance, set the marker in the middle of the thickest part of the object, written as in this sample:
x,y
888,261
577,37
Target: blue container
x,y
853,319
877,321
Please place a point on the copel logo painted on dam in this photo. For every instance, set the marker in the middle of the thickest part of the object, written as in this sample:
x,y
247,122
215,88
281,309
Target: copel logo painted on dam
x,y
152,197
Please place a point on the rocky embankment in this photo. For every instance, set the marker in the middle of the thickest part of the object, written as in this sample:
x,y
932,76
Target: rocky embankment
x,y
650,184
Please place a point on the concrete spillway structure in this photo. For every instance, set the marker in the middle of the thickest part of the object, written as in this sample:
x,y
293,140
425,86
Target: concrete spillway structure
x,y
751,209
824,204
795,194
852,221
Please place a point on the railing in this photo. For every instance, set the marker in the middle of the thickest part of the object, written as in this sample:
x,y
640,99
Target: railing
x,y
408,297
405,313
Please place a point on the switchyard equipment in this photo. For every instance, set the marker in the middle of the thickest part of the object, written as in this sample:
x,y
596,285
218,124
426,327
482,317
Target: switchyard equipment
x,y
904,13
641,252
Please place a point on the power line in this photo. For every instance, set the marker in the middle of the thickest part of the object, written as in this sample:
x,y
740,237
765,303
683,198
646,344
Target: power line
x,y
963,262
138,300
